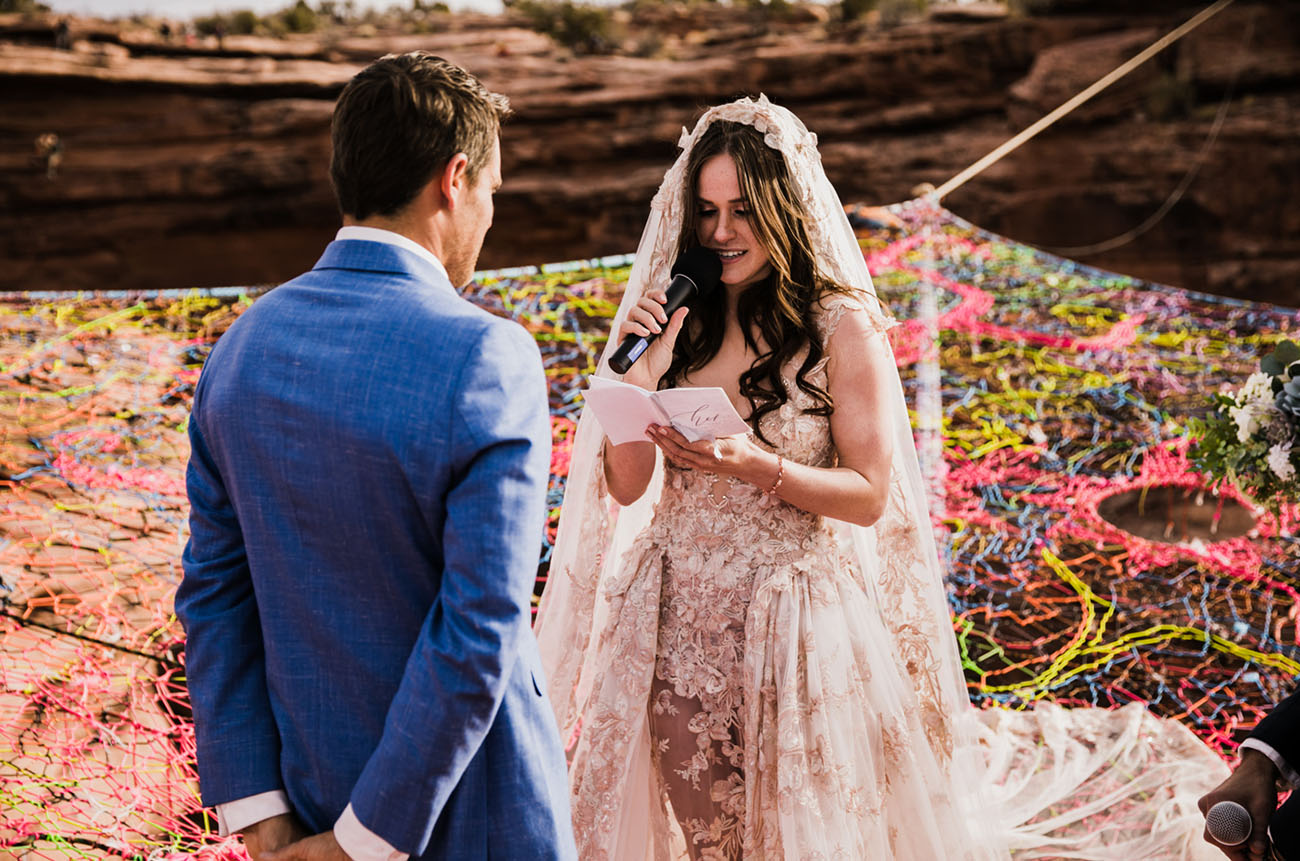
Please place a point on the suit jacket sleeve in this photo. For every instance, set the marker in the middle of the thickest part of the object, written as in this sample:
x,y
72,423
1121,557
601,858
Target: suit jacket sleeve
x,y
468,647
1280,730
238,742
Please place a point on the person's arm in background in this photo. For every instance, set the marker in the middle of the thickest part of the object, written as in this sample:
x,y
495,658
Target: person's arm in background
x,y
1266,756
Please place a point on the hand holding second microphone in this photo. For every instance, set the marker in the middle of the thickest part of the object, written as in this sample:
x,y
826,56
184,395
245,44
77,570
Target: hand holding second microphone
x,y
1238,810
1229,823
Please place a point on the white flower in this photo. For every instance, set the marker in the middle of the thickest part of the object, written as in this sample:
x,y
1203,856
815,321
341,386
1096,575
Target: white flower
x,y
1255,412
1279,460
1258,389
1247,419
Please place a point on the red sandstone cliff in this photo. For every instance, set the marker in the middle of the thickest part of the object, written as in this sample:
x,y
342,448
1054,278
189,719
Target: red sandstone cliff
x,y
195,167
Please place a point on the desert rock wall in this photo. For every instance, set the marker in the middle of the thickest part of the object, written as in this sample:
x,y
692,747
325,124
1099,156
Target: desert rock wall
x,y
197,167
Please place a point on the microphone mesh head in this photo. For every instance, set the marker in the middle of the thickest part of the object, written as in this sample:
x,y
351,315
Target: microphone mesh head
x,y
701,265
1229,823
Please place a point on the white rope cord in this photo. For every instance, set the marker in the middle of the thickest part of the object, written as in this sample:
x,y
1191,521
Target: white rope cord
x,y
1102,83
1177,195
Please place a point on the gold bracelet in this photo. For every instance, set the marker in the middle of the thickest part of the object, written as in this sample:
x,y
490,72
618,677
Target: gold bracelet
x,y
780,476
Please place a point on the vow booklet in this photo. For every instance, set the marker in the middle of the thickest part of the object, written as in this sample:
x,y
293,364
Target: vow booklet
x,y
625,411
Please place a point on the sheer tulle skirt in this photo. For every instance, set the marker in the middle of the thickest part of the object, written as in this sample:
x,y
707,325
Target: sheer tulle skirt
x,y
840,761
1097,783
837,759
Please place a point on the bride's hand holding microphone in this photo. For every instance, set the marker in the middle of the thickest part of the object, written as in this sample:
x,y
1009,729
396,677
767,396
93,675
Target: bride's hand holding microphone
x,y
628,467
645,353
648,319
652,324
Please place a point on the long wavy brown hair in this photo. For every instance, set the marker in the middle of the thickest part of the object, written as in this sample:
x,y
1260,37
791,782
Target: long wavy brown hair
x,y
779,308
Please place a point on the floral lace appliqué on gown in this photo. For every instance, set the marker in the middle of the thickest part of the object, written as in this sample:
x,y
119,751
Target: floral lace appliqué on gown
x,y
757,695
732,684
745,640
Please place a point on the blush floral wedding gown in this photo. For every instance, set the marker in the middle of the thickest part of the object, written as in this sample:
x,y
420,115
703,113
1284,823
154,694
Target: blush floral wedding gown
x,y
760,668
748,631
739,678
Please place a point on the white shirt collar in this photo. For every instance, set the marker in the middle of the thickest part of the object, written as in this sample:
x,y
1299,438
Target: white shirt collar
x,y
388,237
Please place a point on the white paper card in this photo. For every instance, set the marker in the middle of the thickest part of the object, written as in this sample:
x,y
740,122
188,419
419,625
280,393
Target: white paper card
x,y
625,411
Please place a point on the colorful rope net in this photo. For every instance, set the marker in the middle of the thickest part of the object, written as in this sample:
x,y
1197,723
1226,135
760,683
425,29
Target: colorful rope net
x,y
1051,391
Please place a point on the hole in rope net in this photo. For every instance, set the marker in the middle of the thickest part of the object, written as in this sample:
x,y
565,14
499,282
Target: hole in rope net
x,y
1177,515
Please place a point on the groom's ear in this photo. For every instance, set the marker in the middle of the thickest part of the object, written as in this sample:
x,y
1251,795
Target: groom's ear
x,y
453,181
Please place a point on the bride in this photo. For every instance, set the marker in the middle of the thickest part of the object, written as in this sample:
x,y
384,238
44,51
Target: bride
x,y
748,642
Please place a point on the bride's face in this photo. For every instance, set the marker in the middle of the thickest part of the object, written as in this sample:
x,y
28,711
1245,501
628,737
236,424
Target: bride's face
x,y
725,223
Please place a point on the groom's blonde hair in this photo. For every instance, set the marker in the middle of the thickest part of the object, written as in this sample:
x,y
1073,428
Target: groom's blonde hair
x,y
398,123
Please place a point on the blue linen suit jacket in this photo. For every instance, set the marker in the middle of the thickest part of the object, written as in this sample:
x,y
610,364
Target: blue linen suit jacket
x,y
367,485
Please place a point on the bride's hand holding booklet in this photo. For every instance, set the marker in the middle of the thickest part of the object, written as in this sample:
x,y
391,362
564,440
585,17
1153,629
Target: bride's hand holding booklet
x,y
625,411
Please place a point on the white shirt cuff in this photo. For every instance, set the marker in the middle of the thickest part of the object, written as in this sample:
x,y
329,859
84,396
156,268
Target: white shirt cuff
x,y
234,816
362,844
1288,773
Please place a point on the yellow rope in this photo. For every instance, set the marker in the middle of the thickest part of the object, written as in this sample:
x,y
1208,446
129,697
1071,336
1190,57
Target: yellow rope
x,y
1105,81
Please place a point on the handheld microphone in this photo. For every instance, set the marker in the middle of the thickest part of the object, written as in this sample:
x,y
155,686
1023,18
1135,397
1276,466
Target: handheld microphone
x,y
695,273
1229,823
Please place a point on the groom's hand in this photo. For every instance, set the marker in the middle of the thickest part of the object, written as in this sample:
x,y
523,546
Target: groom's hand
x,y
271,834
321,847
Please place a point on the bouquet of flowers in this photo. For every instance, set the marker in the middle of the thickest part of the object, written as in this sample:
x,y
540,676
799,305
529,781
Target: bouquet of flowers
x,y
1252,439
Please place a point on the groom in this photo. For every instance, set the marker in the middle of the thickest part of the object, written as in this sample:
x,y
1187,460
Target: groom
x,y
367,481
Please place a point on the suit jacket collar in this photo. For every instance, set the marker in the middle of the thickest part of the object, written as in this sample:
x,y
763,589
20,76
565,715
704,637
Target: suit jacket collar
x,y
363,256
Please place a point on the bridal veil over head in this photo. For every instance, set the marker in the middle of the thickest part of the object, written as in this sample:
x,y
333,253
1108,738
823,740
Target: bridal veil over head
x,y
1001,770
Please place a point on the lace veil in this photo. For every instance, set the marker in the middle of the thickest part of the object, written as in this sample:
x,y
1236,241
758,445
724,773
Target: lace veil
x,y
595,531
1077,764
